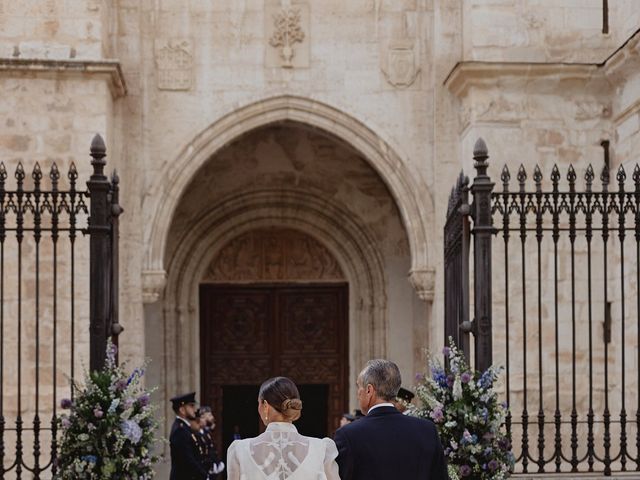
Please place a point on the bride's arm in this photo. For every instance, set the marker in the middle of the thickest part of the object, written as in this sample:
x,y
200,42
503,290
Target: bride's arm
x,y
330,454
233,466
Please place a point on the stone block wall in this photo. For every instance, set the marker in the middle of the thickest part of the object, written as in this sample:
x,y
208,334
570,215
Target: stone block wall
x,y
545,30
55,29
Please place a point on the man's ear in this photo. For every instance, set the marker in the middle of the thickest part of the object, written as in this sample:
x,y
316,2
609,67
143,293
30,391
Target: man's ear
x,y
370,389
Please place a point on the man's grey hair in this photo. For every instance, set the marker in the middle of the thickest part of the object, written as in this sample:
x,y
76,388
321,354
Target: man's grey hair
x,y
384,376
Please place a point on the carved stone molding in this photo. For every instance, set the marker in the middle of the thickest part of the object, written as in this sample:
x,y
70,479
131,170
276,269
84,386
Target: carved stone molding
x,y
424,281
272,255
287,27
153,282
174,64
108,69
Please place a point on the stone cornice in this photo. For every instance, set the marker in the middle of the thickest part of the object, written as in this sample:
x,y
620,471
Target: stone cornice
x,y
625,61
110,69
467,73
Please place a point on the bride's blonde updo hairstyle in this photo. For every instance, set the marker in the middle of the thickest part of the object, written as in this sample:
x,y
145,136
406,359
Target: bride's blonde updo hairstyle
x,y
282,394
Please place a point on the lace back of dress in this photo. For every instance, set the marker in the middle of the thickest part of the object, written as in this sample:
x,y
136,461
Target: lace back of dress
x,y
279,454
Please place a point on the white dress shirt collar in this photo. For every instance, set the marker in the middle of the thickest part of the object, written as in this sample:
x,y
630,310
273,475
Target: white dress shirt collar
x,y
184,420
386,404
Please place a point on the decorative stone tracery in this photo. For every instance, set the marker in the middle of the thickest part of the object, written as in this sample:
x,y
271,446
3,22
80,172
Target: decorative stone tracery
x,y
274,255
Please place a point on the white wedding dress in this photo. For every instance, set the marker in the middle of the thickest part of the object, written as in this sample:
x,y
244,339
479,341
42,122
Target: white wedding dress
x,y
281,453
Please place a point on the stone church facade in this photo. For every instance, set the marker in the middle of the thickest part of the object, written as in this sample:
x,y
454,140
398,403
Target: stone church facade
x,y
297,155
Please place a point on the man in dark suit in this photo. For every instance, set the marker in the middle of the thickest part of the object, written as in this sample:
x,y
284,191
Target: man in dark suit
x,y
186,460
385,444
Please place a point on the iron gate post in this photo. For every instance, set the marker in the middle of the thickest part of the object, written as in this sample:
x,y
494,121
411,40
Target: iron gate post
x,y
99,265
483,230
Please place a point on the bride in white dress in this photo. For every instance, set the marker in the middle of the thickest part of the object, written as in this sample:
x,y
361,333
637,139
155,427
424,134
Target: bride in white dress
x,y
281,453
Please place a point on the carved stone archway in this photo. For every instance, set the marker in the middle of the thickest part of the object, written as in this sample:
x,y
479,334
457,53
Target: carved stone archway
x,y
409,192
348,241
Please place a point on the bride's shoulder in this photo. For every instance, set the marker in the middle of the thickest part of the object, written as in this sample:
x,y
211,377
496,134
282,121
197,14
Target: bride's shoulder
x,y
328,444
236,445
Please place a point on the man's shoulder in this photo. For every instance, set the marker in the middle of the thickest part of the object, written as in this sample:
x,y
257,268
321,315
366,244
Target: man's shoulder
x,y
420,422
179,430
398,421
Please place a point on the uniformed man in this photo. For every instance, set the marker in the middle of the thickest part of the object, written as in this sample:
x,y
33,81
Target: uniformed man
x,y
403,400
186,461
208,424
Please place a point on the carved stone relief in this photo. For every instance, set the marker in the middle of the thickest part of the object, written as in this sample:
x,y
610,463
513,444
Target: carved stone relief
x,y
591,109
286,28
269,255
174,64
400,63
423,282
399,58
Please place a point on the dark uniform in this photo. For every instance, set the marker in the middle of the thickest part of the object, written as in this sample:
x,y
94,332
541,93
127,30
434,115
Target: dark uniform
x,y
211,453
186,459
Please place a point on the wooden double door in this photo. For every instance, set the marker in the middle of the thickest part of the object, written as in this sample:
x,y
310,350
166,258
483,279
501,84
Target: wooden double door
x,y
252,333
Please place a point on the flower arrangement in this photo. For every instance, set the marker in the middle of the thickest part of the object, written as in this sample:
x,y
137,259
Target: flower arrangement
x,y
469,417
109,431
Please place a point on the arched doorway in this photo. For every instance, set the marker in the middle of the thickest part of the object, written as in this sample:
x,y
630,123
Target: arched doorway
x,y
274,301
289,175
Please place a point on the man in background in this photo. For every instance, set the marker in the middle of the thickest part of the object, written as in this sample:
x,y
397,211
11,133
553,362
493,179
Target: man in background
x,y
186,461
208,424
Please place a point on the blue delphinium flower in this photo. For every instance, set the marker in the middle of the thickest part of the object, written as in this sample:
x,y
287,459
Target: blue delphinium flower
x,y
439,377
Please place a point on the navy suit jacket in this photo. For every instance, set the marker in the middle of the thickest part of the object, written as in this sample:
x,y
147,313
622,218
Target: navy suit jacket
x,y
388,445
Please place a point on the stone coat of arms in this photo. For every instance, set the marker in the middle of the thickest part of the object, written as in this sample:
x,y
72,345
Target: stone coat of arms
x,y
401,67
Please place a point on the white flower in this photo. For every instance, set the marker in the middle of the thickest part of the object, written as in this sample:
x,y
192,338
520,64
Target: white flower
x,y
114,404
457,389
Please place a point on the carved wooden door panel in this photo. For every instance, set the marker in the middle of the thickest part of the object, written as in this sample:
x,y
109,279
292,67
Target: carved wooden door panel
x,y
251,333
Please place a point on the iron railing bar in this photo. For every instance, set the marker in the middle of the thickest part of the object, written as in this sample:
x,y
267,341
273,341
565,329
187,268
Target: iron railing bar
x,y
621,236
556,319
2,240
637,237
590,414
505,234
525,413
19,235
37,236
606,415
572,239
538,178
72,176
54,239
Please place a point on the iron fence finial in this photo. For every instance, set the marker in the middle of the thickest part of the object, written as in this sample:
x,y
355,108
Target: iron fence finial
x,y
98,152
480,156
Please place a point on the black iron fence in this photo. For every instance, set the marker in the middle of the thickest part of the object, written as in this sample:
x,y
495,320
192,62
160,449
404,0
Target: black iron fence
x,y
563,311
48,271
